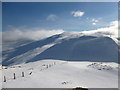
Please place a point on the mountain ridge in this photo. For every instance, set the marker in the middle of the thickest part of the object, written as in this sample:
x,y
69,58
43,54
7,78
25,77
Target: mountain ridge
x,y
66,47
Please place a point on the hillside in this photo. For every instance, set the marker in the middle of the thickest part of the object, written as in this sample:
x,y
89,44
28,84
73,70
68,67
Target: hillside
x,y
65,46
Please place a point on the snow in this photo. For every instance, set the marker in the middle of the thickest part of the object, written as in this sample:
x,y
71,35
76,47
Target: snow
x,y
61,74
84,48
30,54
0,76
68,60
67,46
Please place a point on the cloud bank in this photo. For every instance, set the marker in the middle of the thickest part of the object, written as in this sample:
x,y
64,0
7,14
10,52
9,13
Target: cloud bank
x,y
37,34
111,31
15,35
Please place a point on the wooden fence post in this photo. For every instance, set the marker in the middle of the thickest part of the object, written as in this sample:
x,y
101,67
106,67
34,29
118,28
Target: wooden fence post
x,y
4,79
47,66
14,76
22,74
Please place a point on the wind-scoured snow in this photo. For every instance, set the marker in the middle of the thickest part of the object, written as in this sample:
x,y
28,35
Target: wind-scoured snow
x,y
84,48
67,46
28,55
61,74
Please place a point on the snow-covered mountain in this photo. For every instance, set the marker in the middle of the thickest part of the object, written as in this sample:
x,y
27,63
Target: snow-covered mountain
x,y
66,46
66,60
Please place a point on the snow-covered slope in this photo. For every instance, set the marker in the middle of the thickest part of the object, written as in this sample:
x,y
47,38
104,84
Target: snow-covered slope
x,y
61,74
84,48
66,46
17,55
66,60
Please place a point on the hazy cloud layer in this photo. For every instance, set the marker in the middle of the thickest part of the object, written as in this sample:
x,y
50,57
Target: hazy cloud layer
x,y
51,17
18,34
14,35
112,30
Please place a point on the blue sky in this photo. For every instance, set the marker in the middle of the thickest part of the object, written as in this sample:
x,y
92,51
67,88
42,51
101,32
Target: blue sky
x,y
59,15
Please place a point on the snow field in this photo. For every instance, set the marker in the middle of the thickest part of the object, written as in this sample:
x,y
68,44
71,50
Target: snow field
x,y
61,74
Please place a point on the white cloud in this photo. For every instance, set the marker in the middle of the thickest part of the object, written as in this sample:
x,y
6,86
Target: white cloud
x,y
37,34
52,17
18,34
112,30
94,21
77,13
